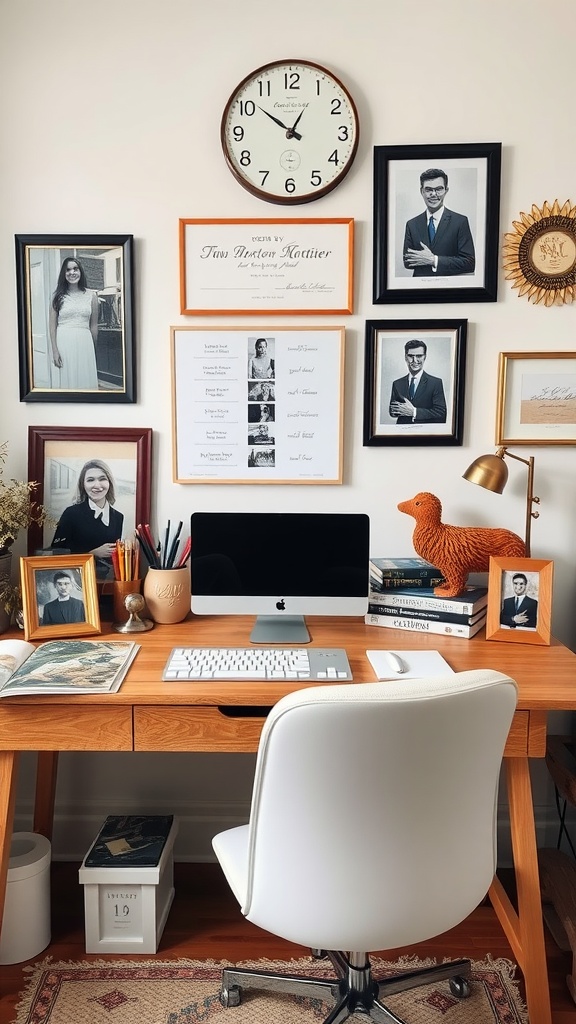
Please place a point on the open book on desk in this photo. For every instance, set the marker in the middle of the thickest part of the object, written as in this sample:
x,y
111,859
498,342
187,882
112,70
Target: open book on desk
x,y
415,664
64,666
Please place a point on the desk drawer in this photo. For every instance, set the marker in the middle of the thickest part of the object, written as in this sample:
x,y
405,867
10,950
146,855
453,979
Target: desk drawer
x,y
195,728
65,727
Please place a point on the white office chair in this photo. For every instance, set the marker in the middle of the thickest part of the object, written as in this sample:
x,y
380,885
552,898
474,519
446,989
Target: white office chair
x,y
372,826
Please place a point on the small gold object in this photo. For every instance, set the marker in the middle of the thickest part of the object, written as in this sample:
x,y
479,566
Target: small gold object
x,y
134,603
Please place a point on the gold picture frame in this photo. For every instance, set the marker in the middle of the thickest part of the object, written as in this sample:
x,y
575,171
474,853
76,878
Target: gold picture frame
x,y
39,589
540,254
530,623
536,398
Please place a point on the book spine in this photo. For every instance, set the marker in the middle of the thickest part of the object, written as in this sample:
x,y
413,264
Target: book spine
x,y
426,573
426,603
389,582
424,625
419,613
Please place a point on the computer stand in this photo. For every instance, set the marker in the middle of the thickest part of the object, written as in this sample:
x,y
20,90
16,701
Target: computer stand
x,y
280,629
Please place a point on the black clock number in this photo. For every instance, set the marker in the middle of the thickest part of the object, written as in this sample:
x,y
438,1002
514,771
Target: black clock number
x,y
292,80
333,158
336,106
315,178
245,160
264,175
238,133
247,107
290,185
343,133
263,88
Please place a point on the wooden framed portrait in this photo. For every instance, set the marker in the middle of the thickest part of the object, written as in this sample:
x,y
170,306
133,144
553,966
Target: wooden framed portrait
x,y
75,318
95,483
536,398
436,223
414,379
519,600
59,596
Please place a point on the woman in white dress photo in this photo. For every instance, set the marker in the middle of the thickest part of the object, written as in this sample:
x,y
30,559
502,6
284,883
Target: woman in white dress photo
x,y
74,328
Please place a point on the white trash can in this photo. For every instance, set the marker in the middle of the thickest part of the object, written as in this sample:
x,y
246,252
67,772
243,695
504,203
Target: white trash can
x,y
26,924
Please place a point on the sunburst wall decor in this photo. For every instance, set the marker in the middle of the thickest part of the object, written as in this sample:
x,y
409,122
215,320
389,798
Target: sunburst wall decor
x,y
540,254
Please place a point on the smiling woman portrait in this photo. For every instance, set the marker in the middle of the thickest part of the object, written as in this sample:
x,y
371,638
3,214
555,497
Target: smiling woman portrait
x,y
91,525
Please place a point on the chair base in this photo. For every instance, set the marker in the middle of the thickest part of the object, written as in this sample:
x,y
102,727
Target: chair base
x,y
354,990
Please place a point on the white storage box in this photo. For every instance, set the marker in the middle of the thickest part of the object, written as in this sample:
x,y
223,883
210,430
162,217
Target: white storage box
x,y
126,907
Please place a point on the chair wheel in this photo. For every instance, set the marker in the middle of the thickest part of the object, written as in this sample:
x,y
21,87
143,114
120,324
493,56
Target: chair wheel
x,y
230,996
460,987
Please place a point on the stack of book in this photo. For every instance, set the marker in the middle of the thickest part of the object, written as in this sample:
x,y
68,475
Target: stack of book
x,y
402,597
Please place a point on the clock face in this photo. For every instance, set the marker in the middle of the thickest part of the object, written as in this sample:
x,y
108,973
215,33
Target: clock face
x,y
290,132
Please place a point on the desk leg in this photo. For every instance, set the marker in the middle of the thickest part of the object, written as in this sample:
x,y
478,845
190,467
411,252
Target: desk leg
x,y
525,929
8,776
46,772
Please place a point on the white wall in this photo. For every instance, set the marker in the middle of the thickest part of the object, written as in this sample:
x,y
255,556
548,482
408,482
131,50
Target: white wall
x,y
110,116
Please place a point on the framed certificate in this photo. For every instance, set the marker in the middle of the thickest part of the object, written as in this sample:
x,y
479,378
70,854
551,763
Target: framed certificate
x,y
257,404
266,266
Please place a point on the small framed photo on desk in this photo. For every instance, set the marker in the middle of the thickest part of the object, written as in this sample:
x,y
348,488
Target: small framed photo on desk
x,y
59,596
519,600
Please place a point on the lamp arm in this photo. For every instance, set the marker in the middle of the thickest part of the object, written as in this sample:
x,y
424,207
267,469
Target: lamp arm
x,y
531,498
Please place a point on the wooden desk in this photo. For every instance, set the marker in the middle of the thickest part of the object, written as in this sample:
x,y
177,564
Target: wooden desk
x,y
149,715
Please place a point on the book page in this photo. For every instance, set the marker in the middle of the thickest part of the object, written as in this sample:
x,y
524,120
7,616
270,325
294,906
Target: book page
x,y
12,654
73,666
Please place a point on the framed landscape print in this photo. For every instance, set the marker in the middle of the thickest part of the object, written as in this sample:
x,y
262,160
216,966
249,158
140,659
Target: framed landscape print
x,y
436,223
75,318
414,377
536,398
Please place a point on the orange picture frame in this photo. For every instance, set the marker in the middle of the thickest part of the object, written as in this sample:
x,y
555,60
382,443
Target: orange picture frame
x,y
530,622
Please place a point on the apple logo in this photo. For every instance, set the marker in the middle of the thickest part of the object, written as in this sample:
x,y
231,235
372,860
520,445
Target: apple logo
x,y
280,605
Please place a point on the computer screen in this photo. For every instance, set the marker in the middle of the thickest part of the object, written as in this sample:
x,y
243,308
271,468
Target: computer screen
x,y
279,566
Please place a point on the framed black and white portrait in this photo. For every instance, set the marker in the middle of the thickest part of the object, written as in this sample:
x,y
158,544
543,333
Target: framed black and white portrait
x,y
75,318
436,223
414,377
59,596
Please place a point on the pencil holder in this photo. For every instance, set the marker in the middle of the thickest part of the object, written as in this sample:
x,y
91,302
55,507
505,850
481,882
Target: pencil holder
x,y
167,594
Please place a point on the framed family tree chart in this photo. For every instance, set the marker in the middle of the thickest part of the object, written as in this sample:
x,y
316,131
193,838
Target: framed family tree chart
x,y
257,404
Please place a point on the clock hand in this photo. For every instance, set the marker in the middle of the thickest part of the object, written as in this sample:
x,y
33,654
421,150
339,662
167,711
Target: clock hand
x,y
294,126
290,133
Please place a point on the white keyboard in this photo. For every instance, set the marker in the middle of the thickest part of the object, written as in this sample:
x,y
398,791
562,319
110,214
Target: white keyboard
x,y
319,664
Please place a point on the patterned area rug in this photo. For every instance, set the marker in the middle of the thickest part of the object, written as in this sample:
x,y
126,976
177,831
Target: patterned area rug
x,y
186,992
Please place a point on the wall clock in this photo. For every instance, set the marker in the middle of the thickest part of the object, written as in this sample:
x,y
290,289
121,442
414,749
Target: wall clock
x,y
290,132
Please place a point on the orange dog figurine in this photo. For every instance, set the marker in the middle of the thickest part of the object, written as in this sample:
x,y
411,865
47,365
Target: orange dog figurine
x,y
456,550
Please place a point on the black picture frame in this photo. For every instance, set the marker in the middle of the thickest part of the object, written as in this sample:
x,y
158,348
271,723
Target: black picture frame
x,y
385,369
473,172
107,263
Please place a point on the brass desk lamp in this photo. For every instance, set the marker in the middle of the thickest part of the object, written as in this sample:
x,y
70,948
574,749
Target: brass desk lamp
x,y
491,472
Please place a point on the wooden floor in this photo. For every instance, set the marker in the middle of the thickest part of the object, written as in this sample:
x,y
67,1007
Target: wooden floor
x,y
205,922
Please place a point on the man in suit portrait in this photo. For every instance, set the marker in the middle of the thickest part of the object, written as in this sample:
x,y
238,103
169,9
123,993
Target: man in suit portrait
x,y
417,397
438,241
64,608
519,611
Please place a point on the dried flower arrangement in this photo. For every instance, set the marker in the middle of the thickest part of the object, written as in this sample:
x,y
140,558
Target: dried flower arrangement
x,y
17,512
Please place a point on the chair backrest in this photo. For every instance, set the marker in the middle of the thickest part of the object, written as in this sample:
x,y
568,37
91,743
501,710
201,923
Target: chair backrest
x,y
373,819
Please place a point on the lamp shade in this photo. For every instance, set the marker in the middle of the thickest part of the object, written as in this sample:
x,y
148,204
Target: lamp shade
x,y
488,471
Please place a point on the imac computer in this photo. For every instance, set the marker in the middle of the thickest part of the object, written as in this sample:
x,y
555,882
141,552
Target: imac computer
x,y
279,566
